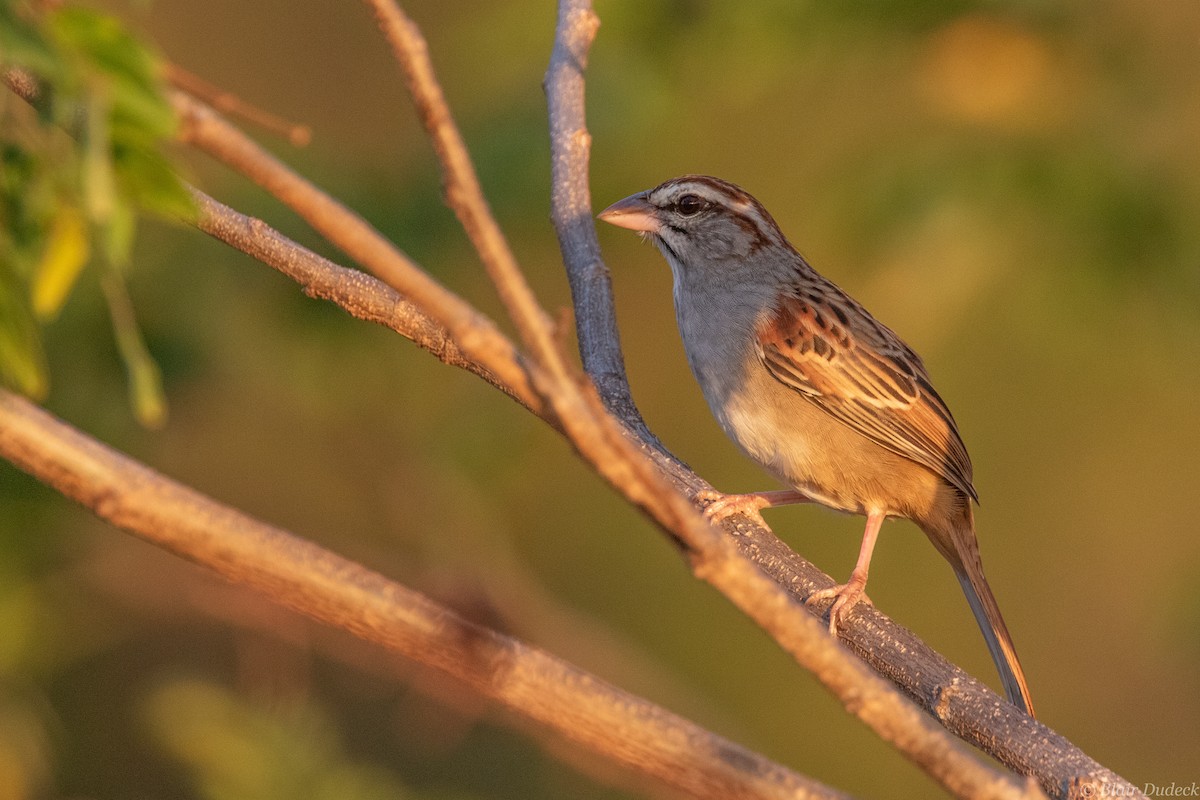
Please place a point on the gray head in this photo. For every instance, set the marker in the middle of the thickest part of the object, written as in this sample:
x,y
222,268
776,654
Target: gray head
x,y
703,223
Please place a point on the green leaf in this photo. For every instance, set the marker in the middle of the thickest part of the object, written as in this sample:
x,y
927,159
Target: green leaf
x,y
235,748
62,198
130,70
66,253
27,206
147,178
99,184
145,379
22,362
116,237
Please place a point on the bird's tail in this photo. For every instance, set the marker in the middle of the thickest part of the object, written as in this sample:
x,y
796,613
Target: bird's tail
x,y
969,570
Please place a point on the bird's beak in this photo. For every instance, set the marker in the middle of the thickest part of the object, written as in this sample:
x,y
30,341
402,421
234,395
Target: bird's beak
x,y
634,212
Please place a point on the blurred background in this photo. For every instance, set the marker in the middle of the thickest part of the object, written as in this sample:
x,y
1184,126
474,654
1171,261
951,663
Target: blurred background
x,y
1013,186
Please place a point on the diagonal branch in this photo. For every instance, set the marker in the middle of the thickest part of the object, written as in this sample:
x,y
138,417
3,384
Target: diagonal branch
x,y
361,295
298,135
476,335
295,572
571,213
463,192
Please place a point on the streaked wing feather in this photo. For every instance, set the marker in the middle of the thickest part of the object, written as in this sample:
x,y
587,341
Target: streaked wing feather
x,y
872,381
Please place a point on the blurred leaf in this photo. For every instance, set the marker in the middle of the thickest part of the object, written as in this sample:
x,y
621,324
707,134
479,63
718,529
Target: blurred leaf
x,y
145,378
22,363
150,182
19,609
125,76
99,185
66,253
27,206
116,237
129,70
989,70
235,750
104,87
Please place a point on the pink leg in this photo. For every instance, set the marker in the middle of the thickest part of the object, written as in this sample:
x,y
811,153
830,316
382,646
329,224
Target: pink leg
x,y
720,506
849,593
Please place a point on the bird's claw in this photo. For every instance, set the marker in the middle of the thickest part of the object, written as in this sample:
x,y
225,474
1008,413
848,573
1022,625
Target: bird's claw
x,y
719,506
845,597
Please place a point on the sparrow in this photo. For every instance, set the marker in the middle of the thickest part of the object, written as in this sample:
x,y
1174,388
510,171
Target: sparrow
x,y
814,389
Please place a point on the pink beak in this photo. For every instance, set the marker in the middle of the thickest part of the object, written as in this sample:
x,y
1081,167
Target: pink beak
x,y
634,213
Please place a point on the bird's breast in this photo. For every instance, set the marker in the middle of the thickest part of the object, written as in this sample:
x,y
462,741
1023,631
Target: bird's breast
x,y
789,437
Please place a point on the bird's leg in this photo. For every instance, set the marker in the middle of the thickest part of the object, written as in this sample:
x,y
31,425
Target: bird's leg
x,y
849,593
721,506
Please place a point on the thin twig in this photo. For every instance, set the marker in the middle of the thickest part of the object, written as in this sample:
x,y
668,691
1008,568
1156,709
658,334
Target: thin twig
x,y
360,294
463,192
229,103
297,573
475,334
571,213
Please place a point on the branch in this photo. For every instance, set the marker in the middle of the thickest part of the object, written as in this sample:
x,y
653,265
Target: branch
x,y
463,192
356,292
297,135
476,335
571,213
295,572
965,706
593,434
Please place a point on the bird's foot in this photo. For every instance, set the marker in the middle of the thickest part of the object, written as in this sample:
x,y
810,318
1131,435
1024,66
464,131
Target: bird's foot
x,y
720,506
845,597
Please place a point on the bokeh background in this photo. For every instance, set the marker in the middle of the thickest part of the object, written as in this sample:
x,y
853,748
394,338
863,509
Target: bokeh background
x,y
1013,186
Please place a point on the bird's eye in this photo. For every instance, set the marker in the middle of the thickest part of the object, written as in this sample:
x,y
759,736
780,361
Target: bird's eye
x,y
689,205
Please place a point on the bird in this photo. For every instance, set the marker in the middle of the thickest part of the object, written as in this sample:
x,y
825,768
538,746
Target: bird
x,y
814,389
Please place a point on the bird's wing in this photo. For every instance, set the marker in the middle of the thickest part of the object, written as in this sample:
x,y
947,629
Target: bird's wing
x,y
839,357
